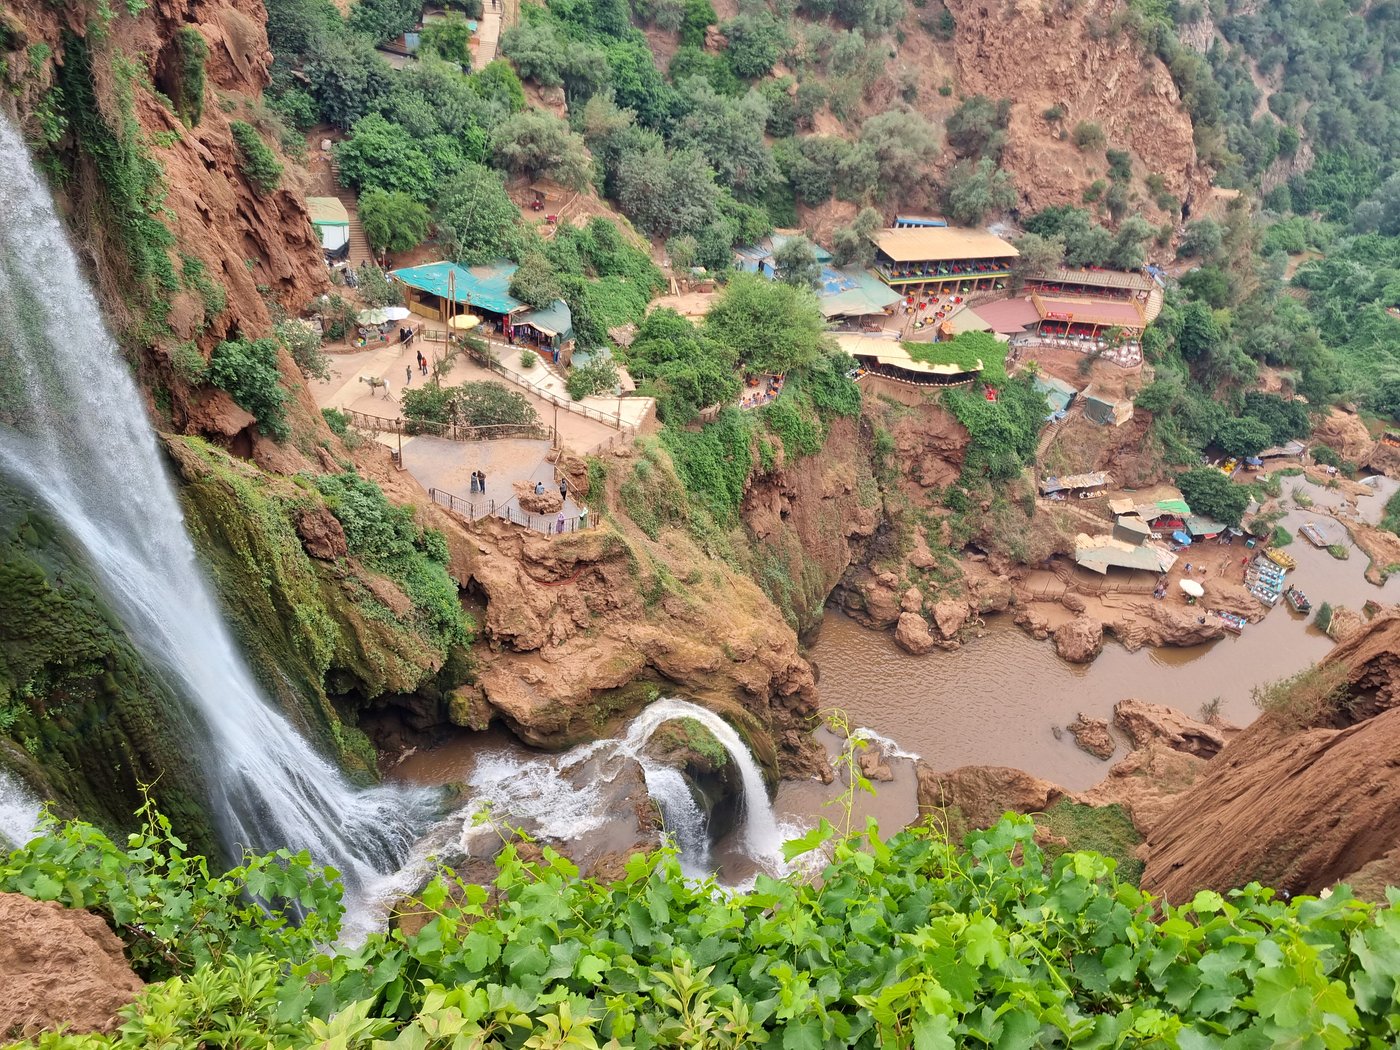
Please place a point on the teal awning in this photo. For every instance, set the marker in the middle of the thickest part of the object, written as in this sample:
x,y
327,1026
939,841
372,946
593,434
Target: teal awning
x,y
479,287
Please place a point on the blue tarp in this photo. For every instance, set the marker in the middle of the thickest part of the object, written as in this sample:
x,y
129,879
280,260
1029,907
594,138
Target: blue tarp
x,y
1254,461
1181,537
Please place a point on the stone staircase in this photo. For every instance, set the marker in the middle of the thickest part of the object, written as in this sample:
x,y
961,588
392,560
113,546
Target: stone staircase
x,y
1048,435
1087,516
1153,306
359,244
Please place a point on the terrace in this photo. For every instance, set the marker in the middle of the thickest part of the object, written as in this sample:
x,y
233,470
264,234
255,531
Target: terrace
x,y
943,258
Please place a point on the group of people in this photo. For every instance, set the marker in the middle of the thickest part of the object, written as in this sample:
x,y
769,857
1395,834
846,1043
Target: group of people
x,y
478,481
408,369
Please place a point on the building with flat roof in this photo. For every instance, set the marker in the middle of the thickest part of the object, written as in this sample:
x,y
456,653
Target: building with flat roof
x,y
1087,317
1074,483
1063,280
893,360
1101,553
942,258
332,224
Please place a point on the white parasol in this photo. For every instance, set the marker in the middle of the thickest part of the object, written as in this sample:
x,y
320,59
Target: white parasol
x,y
463,322
395,313
1193,588
376,316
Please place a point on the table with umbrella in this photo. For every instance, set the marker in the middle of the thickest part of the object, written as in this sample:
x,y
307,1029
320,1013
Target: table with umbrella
x,y
1193,591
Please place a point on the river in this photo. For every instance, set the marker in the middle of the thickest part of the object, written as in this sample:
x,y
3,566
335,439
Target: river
x,y
997,700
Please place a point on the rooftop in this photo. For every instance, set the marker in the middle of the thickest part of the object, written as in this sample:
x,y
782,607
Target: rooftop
x,y
1100,553
1075,481
940,243
1096,278
1090,311
486,286
892,352
554,319
853,293
327,211
1008,316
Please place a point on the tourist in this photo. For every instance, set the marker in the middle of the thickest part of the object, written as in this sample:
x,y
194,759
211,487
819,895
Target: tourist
x,y
473,482
539,488
583,517
408,375
563,488
559,525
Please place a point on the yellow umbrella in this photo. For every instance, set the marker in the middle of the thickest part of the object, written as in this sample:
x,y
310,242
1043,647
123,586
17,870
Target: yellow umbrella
x,y
463,322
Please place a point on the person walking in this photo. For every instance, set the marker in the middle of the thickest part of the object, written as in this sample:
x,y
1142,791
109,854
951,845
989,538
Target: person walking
x,y
563,488
559,525
386,389
407,375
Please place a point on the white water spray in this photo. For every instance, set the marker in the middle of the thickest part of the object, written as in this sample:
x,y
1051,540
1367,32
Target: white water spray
x,y
77,437
19,813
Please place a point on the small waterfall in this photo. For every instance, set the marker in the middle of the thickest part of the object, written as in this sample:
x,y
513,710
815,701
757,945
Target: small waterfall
x,y
73,432
683,817
19,813
761,834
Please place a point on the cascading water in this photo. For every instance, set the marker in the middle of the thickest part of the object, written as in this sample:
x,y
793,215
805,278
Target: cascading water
x,y
74,433
19,813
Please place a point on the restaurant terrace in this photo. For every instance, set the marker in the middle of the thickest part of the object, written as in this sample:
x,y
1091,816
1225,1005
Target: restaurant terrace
x,y
942,258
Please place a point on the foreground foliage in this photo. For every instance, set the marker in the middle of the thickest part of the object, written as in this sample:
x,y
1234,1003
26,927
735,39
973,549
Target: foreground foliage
x,y
908,942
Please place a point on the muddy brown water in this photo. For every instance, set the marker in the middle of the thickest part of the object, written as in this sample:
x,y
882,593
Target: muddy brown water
x,y
997,700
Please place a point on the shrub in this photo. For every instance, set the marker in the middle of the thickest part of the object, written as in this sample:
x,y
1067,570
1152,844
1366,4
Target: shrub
x,y
1310,698
188,364
192,50
247,369
594,377
303,342
337,420
258,163
480,404
450,38
392,221
1322,619
528,359
1327,456
1088,136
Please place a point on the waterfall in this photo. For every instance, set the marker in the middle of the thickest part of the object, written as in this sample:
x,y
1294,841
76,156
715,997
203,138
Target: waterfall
x,y
74,433
19,813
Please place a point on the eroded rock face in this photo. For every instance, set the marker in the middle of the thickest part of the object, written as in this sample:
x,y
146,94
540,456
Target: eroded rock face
x,y
59,967
1092,735
983,793
1144,722
1079,640
912,635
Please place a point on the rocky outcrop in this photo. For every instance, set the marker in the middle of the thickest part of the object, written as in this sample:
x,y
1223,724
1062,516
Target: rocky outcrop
x,y
1145,722
979,795
1298,809
1092,735
59,968
950,614
321,534
1344,433
1079,640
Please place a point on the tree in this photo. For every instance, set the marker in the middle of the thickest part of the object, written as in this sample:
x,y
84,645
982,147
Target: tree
x,y
755,43
851,245
596,375
537,51
729,133
450,38
537,143
668,194
975,190
903,146
381,155
470,405
347,77
393,222
768,325
535,281
680,366
302,341
977,127
1038,254
1203,240
1211,494
795,261
476,220
1242,436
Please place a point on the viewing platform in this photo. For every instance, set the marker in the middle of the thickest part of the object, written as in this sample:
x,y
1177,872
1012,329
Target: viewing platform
x,y
942,258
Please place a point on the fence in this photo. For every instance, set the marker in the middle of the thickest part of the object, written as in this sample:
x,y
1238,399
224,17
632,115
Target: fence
x,y
490,362
483,508
453,431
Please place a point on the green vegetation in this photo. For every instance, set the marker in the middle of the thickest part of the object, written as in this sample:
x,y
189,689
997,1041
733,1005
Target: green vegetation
x,y
991,943
393,222
247,369
969,351
681,367
258,163
449,38
470,405
1002,432
1322,619
767,325
302,341
1099,829
388,540
1310,698
1280,537
193,51
597,376
1211,494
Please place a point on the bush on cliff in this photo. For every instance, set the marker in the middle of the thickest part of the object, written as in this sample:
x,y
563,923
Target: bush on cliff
x,y
247,369
1211,494
910,941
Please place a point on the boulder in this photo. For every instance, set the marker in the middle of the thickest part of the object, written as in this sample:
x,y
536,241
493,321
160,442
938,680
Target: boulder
x,y
1072,602
59,967
1079,640
912,601
1033,623
983,793
1144,722
1092,735
995,594
873,764
911,634
547,502
950,614
321,534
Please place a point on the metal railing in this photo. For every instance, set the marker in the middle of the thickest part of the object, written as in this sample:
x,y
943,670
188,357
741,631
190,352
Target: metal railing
x,y
453,431
555,525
